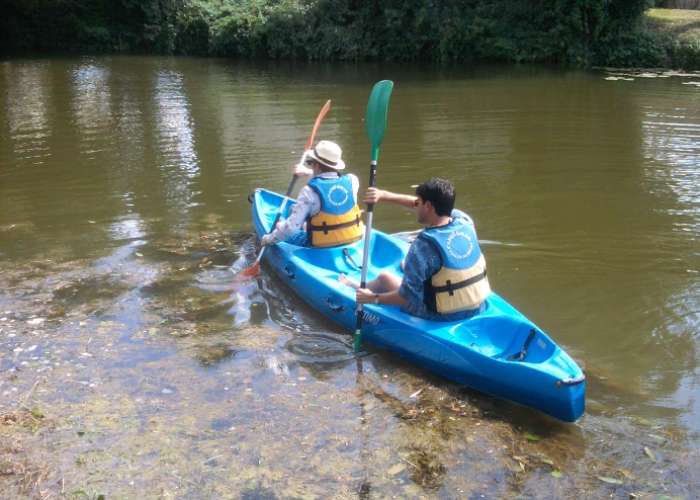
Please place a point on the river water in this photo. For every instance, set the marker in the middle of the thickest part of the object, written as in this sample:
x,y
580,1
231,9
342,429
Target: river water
x,y
132,365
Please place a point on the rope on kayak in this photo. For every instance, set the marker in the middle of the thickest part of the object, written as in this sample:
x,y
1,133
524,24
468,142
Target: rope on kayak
x,y
523,352
571,381
346,254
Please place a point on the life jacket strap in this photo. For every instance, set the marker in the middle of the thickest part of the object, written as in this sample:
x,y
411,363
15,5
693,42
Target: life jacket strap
x,y
331,227
451,287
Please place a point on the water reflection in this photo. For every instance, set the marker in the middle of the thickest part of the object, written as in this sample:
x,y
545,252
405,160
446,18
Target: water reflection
x,y
92,106
27,97
179,162
672,144
672,177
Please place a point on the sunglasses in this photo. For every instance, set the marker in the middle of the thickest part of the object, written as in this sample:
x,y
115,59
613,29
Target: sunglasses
x,y
309,162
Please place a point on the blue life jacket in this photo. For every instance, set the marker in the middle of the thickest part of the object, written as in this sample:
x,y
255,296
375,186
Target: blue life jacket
x,y
339,220
461,283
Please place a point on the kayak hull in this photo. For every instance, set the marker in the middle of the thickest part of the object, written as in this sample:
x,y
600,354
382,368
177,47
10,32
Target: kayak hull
x,y
499,351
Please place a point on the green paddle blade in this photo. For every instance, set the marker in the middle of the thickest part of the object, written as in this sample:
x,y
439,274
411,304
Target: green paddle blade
x,y
375,119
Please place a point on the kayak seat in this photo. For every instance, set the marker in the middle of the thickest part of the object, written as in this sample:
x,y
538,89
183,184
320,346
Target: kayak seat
x,y
387,252
386,255
329,259
540,348
521,341
497,335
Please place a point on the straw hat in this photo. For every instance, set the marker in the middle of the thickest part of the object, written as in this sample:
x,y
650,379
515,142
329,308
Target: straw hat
x,y
327,153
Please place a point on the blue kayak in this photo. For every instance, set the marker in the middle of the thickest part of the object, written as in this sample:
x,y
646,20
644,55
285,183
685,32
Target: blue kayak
x,y
498,352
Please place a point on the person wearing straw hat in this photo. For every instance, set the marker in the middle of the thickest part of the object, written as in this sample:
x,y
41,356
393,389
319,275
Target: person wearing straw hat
x,y
327,205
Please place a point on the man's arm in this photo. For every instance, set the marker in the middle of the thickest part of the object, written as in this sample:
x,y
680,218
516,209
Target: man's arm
x,y
374,195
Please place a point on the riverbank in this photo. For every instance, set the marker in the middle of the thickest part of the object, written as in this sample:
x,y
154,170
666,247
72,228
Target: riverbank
x,y
339,30
678,35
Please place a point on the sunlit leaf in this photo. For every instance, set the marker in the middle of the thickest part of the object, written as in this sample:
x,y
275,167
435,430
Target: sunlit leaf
x,y
396,469
609,480
556,473
532,437
657,438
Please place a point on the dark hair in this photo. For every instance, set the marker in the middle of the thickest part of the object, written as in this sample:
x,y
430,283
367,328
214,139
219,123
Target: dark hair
x,y
440,193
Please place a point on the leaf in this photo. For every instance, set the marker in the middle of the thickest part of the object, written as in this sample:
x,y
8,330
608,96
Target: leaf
x,y
626,473
657,438
609,480
532,437
37,413
396,469
649,453
556,473
415,394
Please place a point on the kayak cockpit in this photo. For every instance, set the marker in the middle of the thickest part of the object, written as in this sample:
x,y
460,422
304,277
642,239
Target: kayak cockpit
x,y
505,338
386,255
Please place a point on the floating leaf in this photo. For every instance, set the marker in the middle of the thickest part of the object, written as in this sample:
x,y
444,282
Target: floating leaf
x,y
556,473
609,480
415,394
396,469
626,473
643,421
532,437
649,453
37,413
657,438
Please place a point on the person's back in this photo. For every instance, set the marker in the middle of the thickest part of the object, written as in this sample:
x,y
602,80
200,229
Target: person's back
x,y
338,220
444,270
327,205
447,272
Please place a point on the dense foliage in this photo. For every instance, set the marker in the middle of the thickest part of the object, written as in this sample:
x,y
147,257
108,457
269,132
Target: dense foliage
x,y
581,32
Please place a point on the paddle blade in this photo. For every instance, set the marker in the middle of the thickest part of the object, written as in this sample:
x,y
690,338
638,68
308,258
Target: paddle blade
x,y
376,117
250,271
319,119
